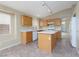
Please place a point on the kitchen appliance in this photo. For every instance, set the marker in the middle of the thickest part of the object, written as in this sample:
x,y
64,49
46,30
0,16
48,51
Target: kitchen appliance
x,y
73,32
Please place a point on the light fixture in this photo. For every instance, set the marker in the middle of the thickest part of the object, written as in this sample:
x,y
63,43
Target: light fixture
x,y
44,4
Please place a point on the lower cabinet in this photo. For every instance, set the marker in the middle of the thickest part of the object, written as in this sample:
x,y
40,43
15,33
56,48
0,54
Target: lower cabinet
x,y
26,37
47,42
44,42
58,35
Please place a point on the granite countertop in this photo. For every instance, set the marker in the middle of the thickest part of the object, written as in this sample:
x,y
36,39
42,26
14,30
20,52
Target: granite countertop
x,y
48,32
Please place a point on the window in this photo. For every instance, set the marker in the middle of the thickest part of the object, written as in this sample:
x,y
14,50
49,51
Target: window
x,y
64,26
5,23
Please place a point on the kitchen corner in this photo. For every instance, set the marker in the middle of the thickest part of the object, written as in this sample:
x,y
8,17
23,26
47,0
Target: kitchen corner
x,y
46,34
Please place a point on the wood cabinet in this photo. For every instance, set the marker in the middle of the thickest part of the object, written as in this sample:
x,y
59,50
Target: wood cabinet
x,y
44,42
26,21
43,22
47,42
53,41
56,22
26,37
58,35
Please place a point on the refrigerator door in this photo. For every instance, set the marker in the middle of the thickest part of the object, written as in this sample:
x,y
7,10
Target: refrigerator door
x,y
74,31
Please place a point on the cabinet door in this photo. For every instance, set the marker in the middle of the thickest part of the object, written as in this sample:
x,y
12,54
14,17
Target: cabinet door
x,y
23,37
53,41
58,35
26,21
29,21
57,21
29,37
43,23
26,37
44,42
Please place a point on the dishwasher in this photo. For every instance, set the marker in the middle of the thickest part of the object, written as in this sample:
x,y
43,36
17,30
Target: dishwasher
x,y
35,35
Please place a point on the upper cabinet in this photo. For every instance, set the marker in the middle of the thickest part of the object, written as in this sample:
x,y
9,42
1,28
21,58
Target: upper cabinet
x,y
26,21
43,23
56,22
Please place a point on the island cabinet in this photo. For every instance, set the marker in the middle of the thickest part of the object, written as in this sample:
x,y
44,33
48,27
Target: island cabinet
x,y
47,42
26,37
58,35
26,21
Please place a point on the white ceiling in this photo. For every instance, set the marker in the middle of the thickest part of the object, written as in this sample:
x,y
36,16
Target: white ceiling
x,y
35,8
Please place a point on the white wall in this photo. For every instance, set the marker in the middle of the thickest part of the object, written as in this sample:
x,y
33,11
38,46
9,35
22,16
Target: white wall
x,y
35,22
63,13
14,37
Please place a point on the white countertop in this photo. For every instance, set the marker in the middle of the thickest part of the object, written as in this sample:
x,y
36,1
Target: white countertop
x,y
48,32
26,30
29,30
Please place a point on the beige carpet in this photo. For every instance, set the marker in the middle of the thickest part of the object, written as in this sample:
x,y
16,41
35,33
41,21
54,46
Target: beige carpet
x,y
63,49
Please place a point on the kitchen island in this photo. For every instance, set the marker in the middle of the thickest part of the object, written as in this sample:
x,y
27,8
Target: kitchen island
x,y
47,40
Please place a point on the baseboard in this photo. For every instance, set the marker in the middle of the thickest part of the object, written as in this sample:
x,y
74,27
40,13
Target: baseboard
x,y
17,43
